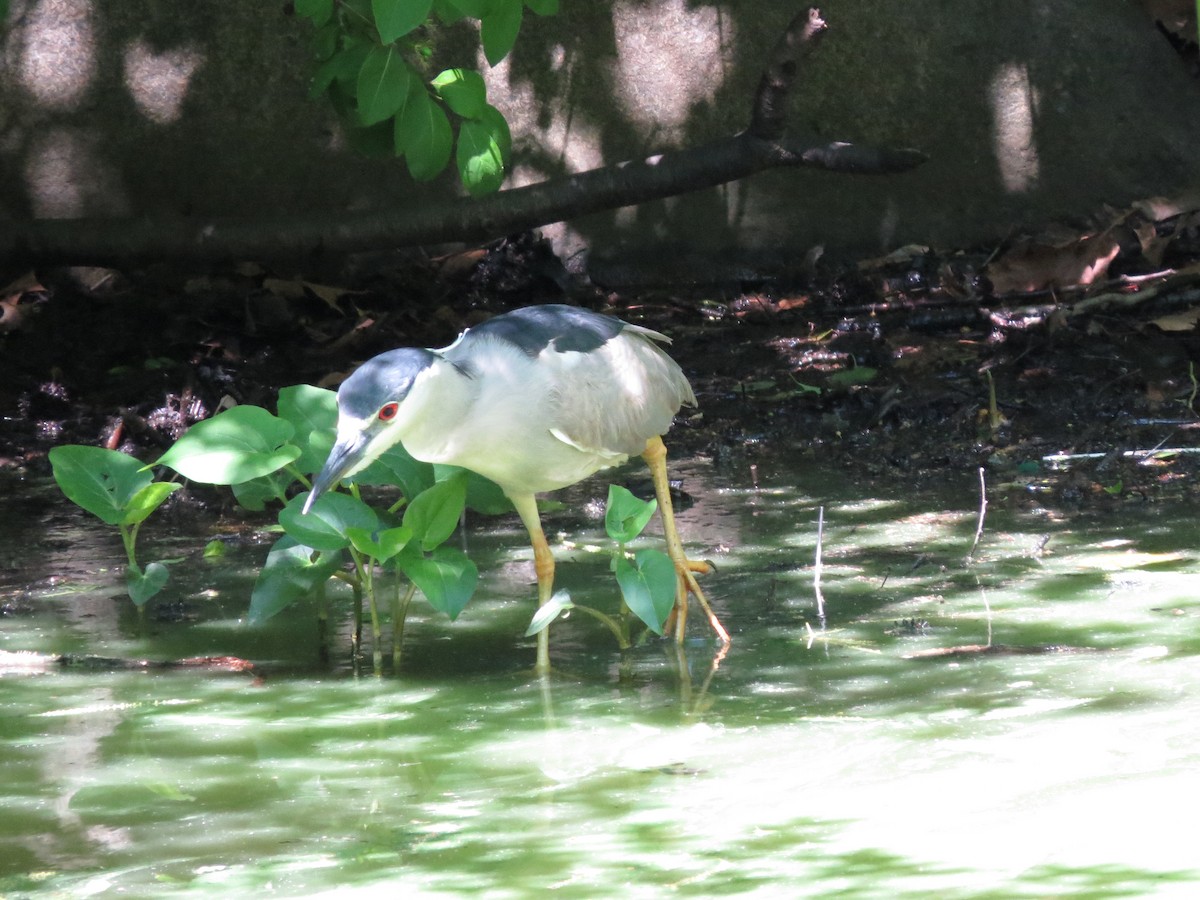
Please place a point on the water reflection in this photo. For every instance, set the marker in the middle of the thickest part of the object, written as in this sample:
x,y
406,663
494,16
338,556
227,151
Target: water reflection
x,y
1053,758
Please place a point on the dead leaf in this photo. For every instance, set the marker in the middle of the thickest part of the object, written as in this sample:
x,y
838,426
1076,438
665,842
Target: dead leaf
x,y
1034,266
298,289
906,255
1184,320
459,263
290,289
1154,246
329,295
25,284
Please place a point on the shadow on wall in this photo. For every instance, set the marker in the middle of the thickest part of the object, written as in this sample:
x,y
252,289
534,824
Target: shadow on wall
x,y
132,107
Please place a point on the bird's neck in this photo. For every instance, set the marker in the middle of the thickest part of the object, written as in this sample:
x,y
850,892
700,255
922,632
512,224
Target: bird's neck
x,y
438,403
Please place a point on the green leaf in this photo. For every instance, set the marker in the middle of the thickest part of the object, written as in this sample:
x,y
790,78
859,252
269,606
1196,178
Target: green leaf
x,y
483,495
423,131
480,159
103,482
397,467
147,500
648,586
343,67
626,515
554,607
256,493
447,12
325,40
144,585
326,526
288,575
380,545
383,84
319,11
495,120
476,9
312,412
240,444
396,18
463,90
543,7
446,577
435,513
498,29
214,550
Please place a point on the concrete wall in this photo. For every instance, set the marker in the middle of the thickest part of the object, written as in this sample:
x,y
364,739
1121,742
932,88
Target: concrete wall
x,y
1028,110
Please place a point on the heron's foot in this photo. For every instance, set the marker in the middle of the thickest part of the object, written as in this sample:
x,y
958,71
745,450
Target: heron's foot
x,y
686,570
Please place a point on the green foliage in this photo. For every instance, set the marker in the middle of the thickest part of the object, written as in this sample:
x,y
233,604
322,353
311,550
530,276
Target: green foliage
x,y
647,581
372,63
646,578
292,571
238,445
647,586
434,513
103,482
446,577
626,515
264,457
118,490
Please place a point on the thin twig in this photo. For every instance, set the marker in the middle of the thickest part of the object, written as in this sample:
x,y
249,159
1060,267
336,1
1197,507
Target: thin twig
x,y
817,566
982,514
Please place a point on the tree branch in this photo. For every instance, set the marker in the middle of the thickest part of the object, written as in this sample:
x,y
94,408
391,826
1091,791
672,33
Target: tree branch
x,y
762,146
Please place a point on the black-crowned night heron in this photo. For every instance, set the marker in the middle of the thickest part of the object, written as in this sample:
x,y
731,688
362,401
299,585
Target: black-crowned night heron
x,y
535,399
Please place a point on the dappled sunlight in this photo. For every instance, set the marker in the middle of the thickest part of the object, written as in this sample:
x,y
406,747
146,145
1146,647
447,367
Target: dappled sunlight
x,y
652,39
66,176
1014,110
1048,753
158,82
57,52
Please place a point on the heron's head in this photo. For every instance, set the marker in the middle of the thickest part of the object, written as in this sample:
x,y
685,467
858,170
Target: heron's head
x,y
370,417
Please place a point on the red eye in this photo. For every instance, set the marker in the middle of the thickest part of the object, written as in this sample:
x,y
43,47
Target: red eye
x,y
388,411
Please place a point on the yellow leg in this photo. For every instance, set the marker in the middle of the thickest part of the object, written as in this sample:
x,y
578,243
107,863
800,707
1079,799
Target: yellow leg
x,y
543,565
655,456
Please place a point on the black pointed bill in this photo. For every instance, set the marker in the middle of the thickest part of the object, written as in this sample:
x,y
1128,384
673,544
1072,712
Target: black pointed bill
x,y
343,460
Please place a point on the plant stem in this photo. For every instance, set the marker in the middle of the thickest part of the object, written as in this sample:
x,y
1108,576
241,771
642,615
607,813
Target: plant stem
x,y
613,625
399,617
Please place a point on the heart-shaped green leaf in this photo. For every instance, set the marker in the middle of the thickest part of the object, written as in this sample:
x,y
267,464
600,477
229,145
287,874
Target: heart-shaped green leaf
x,y
435,512
380,545
648,586
147,500
326,526
103,482
238,445
447,577
144,585
312,413
626,515
289,574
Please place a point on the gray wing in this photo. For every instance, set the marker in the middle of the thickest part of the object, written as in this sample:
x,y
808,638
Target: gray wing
x,y
598,384
616,397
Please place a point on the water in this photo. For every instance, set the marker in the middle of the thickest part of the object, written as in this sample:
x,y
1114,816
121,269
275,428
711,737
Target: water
x,y
854,757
